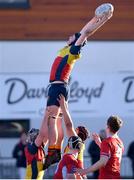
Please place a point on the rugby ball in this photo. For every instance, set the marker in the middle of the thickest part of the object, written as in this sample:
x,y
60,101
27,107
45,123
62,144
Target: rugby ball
x,y
104,9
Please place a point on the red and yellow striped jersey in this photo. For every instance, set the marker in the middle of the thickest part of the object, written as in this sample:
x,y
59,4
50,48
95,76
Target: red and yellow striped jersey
x,y
64,62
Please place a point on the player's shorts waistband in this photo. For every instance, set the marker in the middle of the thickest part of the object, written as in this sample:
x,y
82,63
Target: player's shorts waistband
x,y
58,83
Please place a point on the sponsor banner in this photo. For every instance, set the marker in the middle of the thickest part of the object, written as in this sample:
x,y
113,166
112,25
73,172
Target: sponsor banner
x,y
25,94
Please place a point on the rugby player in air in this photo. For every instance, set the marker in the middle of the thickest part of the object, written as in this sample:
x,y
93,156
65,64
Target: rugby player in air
x,y
111,150
59,77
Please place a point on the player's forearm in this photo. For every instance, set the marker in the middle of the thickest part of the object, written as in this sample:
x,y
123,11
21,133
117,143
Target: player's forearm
x,y
67,117
93,168
86,28
68,122
90,28
97,166
93,25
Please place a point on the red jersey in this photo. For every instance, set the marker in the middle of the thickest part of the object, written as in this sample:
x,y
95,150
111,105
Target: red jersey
x,y
65,166
64,62
113,148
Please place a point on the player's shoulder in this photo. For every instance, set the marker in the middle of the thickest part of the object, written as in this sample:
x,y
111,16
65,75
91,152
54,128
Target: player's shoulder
x,y
72,50
63,51
117,139
107,142
111,140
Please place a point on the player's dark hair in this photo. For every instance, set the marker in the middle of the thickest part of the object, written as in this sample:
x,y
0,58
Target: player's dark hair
x,y
114,123
83,132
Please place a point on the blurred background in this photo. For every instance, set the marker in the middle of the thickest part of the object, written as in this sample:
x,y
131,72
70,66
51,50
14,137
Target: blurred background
x,y
102,82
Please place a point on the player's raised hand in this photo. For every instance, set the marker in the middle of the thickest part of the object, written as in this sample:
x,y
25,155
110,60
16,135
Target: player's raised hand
x,y
102,14
97,139
62,101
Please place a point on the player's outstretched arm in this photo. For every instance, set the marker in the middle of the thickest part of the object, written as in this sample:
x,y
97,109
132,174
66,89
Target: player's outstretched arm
x,y
67,118
99,164
93,25
90,28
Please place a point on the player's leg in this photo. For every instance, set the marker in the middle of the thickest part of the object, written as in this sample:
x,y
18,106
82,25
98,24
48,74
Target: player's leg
x,y
57,138
60,132
43,133
52,125
49,122
54,110
58,145
53,155
54,151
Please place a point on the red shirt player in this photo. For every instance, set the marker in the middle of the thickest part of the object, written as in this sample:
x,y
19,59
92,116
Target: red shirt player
x,y
111,152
